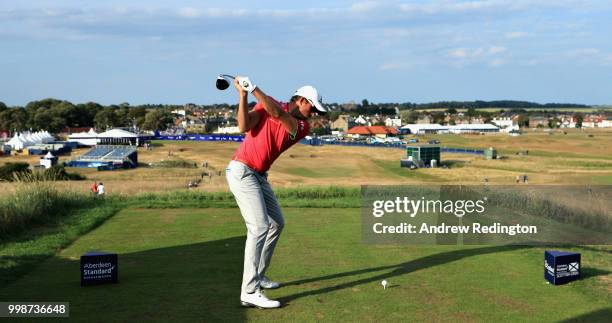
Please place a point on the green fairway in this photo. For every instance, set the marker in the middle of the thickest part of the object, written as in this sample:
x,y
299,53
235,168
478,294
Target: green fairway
x,y
186,265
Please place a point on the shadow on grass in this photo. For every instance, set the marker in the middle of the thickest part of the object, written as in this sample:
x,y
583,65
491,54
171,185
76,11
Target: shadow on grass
x,y
22,252
602,315
450,163
198,282
408,267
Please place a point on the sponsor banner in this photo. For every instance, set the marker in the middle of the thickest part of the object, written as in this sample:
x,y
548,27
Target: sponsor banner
x,y
99,268
235,138
486,214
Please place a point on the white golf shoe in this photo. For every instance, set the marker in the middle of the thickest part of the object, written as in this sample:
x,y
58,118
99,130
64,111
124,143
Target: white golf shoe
x,y
257,299
268,284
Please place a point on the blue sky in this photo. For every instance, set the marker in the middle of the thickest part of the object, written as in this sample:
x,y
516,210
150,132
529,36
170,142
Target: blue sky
x,y
385,51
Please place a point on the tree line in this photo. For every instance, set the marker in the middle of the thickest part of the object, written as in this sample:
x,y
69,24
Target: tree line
x,y
56,115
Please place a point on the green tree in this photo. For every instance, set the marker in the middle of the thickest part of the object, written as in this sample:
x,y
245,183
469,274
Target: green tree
x,y
579,119
32,109
523,120
14,119
471,112
86,114
412,117
137,115
2,106
48,119
105,118
438,117
365,103
157,120
554,122
123,116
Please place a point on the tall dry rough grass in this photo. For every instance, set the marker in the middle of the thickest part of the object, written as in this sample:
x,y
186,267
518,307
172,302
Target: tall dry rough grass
x,y
36,202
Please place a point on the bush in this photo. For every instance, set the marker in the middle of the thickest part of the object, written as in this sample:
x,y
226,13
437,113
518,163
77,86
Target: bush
x,y
10,170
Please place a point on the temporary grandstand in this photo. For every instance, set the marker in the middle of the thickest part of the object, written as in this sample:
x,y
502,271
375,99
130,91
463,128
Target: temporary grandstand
x,y
107,157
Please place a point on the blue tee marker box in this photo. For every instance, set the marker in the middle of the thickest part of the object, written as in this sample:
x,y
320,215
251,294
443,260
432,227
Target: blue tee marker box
x,y
99,267
561,267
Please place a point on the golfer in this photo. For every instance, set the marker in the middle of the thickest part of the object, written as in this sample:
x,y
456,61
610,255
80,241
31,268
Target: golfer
x,y
271,128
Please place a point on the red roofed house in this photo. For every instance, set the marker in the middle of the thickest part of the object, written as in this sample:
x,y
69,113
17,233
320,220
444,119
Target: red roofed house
x,y
369,131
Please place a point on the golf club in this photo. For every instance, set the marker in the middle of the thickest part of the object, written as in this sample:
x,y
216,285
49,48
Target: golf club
x,y
222,82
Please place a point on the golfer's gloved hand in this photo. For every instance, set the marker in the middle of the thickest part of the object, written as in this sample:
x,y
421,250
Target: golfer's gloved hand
x,y
246,84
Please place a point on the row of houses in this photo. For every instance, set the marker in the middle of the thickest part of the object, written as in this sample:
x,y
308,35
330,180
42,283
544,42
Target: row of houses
x,y
346,122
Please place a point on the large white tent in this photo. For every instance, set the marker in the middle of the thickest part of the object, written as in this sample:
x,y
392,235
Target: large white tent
x,y
118,137
16,142
89,138
26,139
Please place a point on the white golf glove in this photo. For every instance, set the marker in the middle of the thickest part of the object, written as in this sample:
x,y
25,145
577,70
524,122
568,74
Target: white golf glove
x,y
246,84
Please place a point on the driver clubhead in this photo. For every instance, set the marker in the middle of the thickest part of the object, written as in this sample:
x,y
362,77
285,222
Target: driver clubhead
x,y
222,83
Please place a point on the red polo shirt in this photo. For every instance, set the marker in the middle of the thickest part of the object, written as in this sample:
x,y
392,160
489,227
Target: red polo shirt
x,y
267,140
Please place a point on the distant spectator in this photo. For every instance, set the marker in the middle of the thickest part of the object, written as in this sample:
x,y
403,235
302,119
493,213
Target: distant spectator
x,y
101,191
518,179
94,189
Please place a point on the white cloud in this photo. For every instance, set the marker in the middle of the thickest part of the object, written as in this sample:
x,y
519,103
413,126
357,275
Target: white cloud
x,y
464,53
395,66
497,62
458,53
582,52
361,7
516,34
190,12
496,50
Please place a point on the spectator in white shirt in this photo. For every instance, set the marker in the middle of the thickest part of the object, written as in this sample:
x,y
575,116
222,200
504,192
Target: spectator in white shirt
x,y
101,189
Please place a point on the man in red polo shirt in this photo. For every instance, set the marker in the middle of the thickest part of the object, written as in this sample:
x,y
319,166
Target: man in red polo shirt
x,y
271,128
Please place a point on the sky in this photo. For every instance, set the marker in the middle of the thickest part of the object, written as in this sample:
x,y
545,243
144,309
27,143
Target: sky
x,y
171,52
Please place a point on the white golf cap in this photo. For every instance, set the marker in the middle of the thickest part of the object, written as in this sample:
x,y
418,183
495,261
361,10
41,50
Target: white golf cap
x,y
310,93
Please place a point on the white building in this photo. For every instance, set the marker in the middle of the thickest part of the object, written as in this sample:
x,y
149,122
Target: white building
x,y
605,123
510,130
473,128
363,121
425,128
180,112
227,130
568,122
502,122
393,122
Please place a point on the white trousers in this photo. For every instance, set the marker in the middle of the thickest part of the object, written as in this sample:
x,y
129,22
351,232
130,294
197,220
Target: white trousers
x,y
262,216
